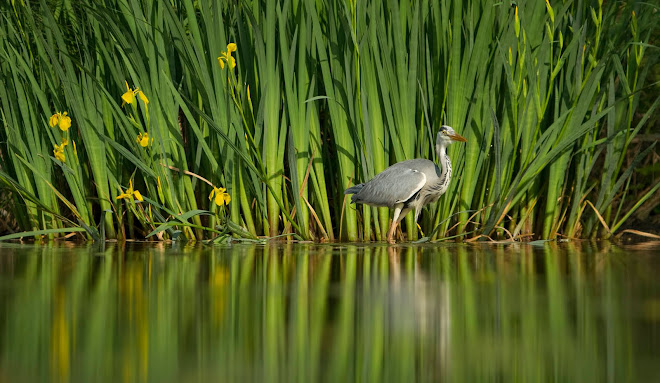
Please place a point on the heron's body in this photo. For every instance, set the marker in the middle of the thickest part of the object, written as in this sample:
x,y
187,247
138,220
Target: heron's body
x,y
428,182
410,184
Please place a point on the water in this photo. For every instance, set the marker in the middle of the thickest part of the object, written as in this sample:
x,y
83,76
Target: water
x,y
457,313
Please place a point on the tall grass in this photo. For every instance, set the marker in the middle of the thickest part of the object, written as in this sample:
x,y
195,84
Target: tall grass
x,y
325,95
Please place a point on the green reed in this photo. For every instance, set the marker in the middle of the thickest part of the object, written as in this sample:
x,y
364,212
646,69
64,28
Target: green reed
x,y
320,96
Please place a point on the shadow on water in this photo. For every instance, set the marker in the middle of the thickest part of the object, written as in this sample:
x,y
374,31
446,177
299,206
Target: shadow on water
x,y
573,312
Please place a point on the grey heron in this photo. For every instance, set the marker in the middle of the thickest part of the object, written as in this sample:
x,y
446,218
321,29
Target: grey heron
x,y
410,184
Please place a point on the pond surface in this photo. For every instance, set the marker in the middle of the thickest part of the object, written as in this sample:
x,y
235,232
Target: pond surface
x,y
579,312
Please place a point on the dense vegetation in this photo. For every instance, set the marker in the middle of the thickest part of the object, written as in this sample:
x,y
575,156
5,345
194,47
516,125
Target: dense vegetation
x,y
203,119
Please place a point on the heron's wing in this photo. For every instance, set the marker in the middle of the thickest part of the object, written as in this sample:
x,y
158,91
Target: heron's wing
x,y
393,185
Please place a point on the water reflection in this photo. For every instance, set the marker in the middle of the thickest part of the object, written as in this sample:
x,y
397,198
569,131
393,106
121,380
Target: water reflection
x,y
163,313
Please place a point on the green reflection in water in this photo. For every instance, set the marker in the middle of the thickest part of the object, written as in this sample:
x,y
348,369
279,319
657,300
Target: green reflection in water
x,y
336,313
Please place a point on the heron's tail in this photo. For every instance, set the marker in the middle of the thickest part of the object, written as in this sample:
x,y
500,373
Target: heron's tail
x,y
354,189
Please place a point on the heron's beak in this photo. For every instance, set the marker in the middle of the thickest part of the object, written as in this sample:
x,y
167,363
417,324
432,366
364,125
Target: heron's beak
x,y
457,137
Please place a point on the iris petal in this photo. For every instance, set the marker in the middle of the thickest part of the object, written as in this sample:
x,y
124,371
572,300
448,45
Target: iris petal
x,y
65,122
138,196
54,119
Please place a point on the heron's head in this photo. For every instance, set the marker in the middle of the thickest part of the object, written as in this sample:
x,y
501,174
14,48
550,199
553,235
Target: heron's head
x,y
447,135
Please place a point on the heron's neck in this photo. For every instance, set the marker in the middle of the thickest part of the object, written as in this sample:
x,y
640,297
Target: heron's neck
x,y
443,159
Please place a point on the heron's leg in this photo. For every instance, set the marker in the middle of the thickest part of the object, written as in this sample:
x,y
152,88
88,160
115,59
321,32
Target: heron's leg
x,y
395,221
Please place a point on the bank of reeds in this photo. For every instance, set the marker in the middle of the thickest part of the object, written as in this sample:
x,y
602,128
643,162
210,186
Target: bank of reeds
x,y
286,103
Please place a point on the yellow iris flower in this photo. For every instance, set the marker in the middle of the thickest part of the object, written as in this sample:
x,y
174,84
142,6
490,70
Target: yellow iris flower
x,y
219,196
227,57
143,98
58,151
129,96
54,120
60,119
143,140
130,193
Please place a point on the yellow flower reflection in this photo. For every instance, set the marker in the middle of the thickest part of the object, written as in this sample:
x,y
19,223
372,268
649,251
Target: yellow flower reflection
x,y
143,140
61,337
61,120
226,57
219,196
130,193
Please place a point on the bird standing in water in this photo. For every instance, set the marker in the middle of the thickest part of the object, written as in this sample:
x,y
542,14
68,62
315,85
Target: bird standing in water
x,y
409,184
